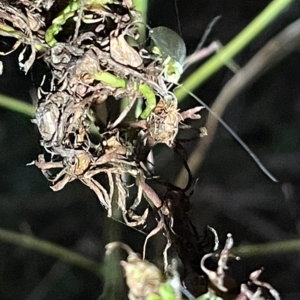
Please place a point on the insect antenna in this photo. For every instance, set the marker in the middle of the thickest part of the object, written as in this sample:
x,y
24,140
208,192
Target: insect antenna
x,y
207,32
177,18
214,46
233,133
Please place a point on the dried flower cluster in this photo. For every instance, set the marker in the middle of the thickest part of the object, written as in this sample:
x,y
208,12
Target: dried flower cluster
x,y
97,60
146,281
94,53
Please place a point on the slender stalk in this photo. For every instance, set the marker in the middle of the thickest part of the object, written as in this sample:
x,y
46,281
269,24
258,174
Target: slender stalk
x,y
50,249
233,48
17,105
281,247
142,7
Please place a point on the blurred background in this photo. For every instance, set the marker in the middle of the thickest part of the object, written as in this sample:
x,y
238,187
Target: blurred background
x,y
231,195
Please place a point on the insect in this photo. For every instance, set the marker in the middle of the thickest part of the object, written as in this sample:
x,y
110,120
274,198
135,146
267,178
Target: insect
x,y
171,47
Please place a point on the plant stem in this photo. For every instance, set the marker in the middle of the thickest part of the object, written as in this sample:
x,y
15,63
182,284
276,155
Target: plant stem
x,y
17,105
51,249
281,247
142,7
233,48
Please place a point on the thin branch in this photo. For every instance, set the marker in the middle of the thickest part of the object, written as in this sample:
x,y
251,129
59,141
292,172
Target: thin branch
x,y
281,247
51,249
17,105
270,55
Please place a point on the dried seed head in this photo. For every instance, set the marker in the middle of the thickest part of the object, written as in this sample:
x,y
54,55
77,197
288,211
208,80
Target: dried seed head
x,y
163,123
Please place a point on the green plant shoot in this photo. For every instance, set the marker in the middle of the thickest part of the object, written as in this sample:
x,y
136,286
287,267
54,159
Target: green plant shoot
x,y
66,14
144,89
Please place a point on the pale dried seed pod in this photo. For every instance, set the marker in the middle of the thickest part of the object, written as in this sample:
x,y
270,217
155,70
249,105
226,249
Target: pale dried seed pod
x,y
163,123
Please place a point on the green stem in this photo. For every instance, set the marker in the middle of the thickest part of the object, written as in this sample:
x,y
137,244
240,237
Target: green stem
x,y
233,48
50,249
117,82
281,247
17,106
59,21
110,79
142,7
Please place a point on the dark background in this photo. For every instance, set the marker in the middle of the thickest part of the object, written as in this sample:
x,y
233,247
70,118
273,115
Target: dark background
x,y
232,194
